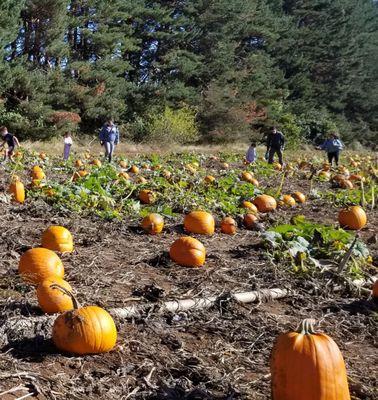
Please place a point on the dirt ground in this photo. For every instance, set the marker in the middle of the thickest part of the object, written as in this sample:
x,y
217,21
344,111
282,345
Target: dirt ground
x,y
221,353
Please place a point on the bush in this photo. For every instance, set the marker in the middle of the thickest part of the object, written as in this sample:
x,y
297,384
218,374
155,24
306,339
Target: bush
x,y
178,126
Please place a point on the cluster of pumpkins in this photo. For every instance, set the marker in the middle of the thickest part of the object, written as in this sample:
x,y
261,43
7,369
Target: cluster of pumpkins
x,y
78,330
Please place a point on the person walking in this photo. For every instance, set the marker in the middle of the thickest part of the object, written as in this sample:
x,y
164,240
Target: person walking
x,y
67,146
109,138
333,145
251,155
275,145
11,142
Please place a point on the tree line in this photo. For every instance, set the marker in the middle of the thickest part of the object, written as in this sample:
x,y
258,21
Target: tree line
x,y
218,70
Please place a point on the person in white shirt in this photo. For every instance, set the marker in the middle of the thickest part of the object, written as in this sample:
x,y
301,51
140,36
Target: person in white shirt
x,y
67,146
251,155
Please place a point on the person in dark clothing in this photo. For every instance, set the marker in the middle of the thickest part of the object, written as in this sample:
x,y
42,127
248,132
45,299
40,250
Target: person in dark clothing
x,y
109,138
10,140
333,145
275,145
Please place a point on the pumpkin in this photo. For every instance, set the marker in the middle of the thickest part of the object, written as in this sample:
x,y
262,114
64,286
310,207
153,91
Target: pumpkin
x,y
249,206
123,164
277,166
156,167
246,176
254,182
356,178
84,330
17,190
209,179
326,167
288,200
42,156
299,197
57,238
308,366
225,165
36,183
38,264
199,222
250,220
191,168
375,290
124,175
352,218
134,169
324,175
78,163
79,174
228,226
167,174
346,184
141,179
147,196
96,163
37,173
153,224
265,203
188,252
52,300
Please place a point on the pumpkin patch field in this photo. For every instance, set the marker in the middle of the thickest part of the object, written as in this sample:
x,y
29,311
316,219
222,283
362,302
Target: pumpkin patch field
x,y
188,277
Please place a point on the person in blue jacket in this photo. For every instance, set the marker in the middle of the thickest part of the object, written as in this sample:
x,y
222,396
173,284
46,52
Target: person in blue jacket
x,y
333,145
109,138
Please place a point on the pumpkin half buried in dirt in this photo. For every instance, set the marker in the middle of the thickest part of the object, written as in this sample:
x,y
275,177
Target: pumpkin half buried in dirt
x,y
84,330
57,238
38,264
308,366
200,222
188,252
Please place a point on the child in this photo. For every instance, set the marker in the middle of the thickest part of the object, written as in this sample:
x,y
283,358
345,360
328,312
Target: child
x,y
251,155
10,140
67,146
333,145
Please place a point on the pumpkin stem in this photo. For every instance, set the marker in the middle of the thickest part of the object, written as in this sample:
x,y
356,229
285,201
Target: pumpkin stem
x,y
306,327
75,302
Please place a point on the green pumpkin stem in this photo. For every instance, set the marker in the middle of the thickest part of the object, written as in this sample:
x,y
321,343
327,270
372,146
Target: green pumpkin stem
x,y
75,302
306,327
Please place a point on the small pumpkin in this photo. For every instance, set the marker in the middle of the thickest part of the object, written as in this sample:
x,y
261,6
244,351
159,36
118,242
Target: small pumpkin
x,y
356,178
124,175
299,197
96,162
228,226
37,173
306,365
78,163
277,166
42,156
250,220
249,206
188,252
17,190
38,264
147,196
57,238
346,184
353,218
52,300
84,330
225,165
209,179
153,223
167,174
288,200
200,222
246,176
134,169
265,203
141,179
325,175
123,164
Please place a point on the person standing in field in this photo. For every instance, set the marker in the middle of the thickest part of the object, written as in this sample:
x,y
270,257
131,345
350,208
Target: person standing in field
x,y
10,140
333,145
275,145
109,138
251,155
67,146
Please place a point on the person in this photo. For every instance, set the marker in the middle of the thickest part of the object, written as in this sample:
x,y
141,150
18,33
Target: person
x,y
333,145
67,146
11,142
251,155
109,138
275,145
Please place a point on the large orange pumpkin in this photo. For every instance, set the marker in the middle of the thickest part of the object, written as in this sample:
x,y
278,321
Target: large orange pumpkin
x,y
51,299
38,264
84,330
308,366
57,238
147,196
352,218
37,173
228,225
199,222
188,252
153,224
17,190
265,203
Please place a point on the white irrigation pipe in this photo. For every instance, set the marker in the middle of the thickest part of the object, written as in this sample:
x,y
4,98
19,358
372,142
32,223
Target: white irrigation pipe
x,y
175,306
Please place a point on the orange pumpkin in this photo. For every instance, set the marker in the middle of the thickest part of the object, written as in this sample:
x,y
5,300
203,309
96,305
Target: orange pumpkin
x,y
246,176
250,220
299,197
167,174
42,156
225,165
84,330
308,366
153,224
78,163
134,169
147,196
356,178
124,175
228,226
326,167
325,175
199,222
52,300
141,179
38,264
277,166
57,238
352,218
96,163
188,252
37,173
209,179
265,203
123,164
249,206
288,200
17,190
346,184
79,174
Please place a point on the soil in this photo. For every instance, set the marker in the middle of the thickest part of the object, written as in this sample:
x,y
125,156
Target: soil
x,y
220,353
